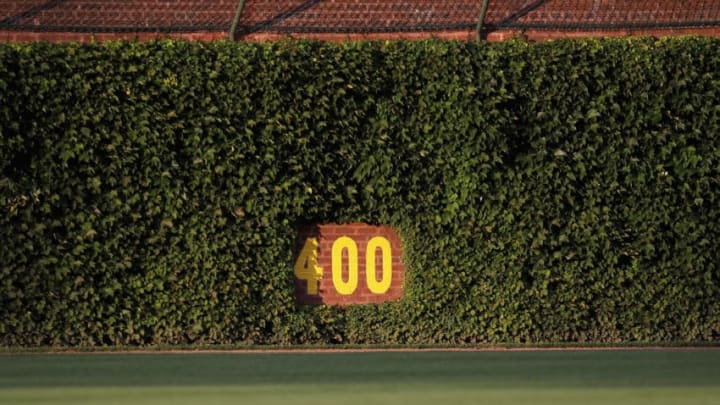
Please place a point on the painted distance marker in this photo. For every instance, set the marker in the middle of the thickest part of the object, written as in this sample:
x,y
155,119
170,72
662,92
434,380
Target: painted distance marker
x,y
343,264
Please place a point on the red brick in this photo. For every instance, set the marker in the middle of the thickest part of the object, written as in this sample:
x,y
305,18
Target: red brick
x,y
269,20
361,234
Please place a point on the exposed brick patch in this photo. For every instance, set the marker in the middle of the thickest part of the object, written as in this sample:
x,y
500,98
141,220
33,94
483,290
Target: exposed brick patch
x,y
361,235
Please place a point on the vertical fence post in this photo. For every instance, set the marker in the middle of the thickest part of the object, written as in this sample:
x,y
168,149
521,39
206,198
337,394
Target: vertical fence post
x,y
481,20
236,20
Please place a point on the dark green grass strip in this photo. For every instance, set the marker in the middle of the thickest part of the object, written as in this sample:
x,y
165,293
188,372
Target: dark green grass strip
x,y
513,377
264,348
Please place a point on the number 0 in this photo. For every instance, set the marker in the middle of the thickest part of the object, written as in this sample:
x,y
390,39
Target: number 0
x,y
375,286
341,286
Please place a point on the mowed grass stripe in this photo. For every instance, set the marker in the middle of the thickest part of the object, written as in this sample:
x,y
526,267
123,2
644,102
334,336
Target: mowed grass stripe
x,y
552,377
360,395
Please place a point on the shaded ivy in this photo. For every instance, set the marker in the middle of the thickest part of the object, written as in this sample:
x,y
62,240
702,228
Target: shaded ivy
x,y
566,191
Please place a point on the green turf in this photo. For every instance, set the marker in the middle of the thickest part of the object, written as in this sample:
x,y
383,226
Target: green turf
x,y
452,378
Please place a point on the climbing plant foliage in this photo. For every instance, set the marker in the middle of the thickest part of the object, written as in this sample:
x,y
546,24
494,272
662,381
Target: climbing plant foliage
x,y
568,191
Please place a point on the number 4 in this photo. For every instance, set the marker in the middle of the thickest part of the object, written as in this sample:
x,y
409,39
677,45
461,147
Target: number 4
x,y
306,266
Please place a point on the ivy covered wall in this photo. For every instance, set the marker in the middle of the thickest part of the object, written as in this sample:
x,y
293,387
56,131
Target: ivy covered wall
x,y
151,193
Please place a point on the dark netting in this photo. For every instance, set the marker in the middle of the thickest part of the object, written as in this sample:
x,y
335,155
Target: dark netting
x,y
602,14
118,16
348,16
351,16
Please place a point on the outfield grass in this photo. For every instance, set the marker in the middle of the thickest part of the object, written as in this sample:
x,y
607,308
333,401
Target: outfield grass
x,y
428,377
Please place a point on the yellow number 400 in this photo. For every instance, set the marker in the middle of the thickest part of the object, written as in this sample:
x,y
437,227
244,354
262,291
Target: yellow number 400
x,y
306,266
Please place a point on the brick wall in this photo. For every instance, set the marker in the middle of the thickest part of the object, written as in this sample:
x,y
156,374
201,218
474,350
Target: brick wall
x,y
85,37
336,20
541,35
535,35
328,235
